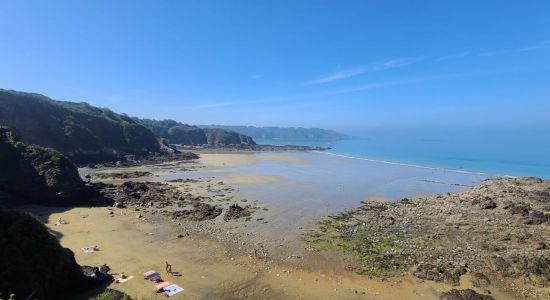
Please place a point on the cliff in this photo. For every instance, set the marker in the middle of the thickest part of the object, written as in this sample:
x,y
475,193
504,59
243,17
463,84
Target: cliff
x,y
42,175
285,133
183,134
81,131
33,265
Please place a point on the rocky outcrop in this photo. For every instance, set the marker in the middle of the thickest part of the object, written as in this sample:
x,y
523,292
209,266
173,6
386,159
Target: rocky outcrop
x,y
235,212
183,134
33,265
498,229
285,133
467,294
39,175
81,131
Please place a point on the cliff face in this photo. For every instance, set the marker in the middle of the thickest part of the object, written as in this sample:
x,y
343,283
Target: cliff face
x,y
82,132
179,133
33,265
285,133
216,136
43,175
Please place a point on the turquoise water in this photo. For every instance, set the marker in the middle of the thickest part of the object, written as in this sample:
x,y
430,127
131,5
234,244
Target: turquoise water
x,y
511,152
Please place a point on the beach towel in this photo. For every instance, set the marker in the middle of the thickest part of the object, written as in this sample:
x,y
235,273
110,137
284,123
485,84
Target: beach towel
x,y
150,274
155,278
172,289
89,249
121,280
162,285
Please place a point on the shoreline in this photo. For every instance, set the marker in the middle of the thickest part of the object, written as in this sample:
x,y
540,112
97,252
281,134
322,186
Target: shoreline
x,y
415,165
260,265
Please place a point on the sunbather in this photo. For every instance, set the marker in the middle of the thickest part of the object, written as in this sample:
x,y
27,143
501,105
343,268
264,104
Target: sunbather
x,y
104,269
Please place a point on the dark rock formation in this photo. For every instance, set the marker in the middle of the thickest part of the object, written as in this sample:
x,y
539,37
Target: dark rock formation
x,y
33,265
467,294
285,133
183,134
235,212
41,175
200,212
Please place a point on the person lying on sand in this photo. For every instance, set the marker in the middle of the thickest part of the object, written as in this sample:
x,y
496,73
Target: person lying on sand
x,y
104,269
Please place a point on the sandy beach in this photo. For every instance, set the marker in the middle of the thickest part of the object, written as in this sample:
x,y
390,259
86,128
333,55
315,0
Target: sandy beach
x,y
243,258
210,270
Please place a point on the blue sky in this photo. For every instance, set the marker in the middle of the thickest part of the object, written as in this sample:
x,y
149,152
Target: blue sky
x,y
334,64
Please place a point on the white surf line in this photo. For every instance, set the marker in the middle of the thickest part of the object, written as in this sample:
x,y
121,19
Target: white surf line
x,y
412,165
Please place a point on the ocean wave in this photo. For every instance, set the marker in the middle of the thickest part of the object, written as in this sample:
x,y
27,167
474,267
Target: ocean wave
x,y
411,165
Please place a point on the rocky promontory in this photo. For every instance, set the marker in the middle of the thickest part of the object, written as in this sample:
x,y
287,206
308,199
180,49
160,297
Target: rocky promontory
x,y
497,232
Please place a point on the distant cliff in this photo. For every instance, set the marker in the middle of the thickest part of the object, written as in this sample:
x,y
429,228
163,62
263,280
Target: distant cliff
x,y
38,175
83,132
285,133
179,133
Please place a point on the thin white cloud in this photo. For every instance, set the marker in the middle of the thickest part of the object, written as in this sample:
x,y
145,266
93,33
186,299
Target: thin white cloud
x,y
540,45
239,102
279,99
338,76
379,66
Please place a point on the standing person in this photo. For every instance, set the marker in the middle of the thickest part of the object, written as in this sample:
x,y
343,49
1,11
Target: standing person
x,y
168,268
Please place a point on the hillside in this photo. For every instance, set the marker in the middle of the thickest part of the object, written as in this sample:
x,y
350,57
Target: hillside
x,y
82,132
40,175
285,133
33,265
179,133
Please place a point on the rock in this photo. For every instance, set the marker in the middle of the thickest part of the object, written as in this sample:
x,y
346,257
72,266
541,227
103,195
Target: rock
x,y
488,204
535,217
235,211
467,294
480,280
139,216
33,252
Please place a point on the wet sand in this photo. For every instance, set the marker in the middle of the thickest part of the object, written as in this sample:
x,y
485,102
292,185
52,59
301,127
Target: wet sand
x,y
217,258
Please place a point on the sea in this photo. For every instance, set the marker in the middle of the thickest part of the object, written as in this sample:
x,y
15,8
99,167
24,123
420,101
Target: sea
x,y
496,152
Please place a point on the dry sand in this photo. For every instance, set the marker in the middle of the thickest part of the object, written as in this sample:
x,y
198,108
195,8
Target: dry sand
x,y
133,246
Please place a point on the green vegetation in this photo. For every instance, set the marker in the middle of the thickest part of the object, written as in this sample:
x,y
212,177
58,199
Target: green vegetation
x,y
33,265
111,294
42,175
375,257
81,131
184,134
290,133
